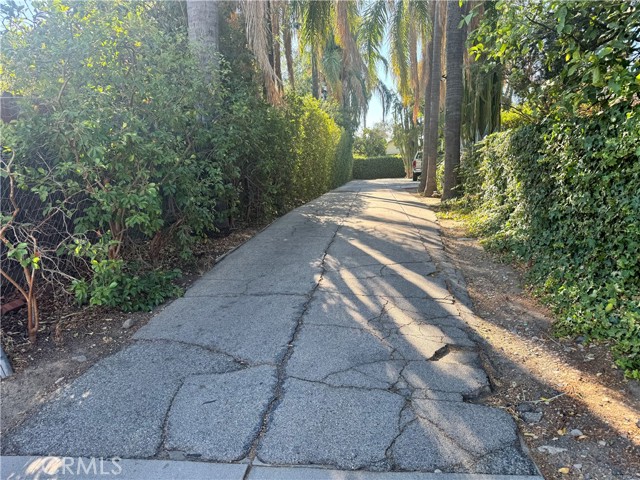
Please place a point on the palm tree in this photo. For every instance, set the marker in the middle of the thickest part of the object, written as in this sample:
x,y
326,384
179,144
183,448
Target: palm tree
x,y
258,20
328,31
407,24
430,155
203,31
288,48
453,102
428,75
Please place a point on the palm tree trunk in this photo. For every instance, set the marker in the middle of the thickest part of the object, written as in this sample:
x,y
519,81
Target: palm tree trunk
x,y
453,102
427,100
315,84
431,141
288,53
203,30
275,33
269,21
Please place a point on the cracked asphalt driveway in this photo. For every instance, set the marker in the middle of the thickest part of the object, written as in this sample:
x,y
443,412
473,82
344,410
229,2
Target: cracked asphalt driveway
x,y
334,338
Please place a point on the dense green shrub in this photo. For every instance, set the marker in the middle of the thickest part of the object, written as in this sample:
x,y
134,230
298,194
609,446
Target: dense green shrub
x,y
117,284
112,114
343,167
390,166
565,199
315,145
515,117
286,155
122,132
563,192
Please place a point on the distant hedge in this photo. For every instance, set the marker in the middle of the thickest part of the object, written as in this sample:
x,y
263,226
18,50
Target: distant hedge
x,y
390,166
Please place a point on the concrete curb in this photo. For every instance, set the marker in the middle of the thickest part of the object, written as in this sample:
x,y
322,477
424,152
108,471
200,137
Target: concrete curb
x,y
82,468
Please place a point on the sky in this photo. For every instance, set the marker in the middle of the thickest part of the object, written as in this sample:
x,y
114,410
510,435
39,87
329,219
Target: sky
x,y
374,114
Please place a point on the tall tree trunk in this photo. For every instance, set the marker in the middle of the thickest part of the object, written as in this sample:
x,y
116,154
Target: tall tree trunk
x,y
203,30
427,100
275,41
315,84
269,20
453,102
431,140
288,53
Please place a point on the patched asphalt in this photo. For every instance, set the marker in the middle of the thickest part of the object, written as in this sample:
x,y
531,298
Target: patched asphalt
x,y
334,338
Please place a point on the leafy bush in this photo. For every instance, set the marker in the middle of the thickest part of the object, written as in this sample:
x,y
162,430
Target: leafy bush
x,y
371,143
515,117
562,192
343,166
286,155
116,284
390,166
315,145
111,122
565,199
122,135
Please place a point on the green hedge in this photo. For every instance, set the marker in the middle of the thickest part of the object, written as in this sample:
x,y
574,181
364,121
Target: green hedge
x,y
343,164
565,200
139,148
390,166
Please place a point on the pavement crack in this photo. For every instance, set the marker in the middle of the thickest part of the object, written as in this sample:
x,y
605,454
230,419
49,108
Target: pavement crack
x,y
442,431
281,368
165,422
355,368
401,378
388,453
346,387
252,294
242,363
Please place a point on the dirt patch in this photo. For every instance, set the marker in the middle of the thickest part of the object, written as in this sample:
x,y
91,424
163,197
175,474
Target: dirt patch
x,y
578,415
71,339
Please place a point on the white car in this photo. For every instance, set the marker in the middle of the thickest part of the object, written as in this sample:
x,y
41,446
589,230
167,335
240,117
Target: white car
x,y
417,165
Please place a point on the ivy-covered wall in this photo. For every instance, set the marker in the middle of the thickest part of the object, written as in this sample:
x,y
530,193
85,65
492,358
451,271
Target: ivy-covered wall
x,y
566,199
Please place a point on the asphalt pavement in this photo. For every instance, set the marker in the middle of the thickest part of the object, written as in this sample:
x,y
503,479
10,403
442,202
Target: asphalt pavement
x,y
330,345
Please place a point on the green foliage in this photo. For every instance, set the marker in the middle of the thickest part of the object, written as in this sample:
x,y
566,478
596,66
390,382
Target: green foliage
x,y
117,284
565,56
565,200
515,117
121,131
562,192
315,145
286,155
343,166
112,111
405,134
371,143
440,175
390,166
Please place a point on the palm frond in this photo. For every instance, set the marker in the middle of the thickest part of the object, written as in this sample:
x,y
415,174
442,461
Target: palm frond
x,y
257,39
372,30
398,36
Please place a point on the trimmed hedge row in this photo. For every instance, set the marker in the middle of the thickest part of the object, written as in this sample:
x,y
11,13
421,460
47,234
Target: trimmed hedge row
x,y
390,166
